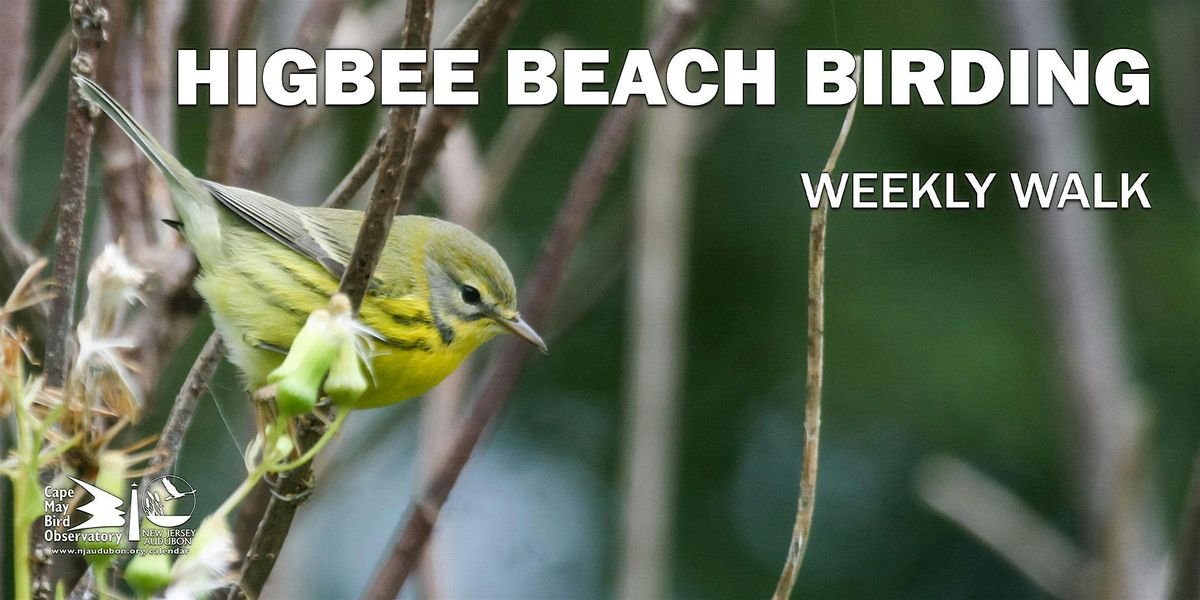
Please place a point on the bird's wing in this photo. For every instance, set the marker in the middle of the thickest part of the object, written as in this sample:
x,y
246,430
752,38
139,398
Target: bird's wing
x,y
278,219
335,229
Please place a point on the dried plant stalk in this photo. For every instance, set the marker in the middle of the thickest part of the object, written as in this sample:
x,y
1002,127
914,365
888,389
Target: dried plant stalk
x,y
815,378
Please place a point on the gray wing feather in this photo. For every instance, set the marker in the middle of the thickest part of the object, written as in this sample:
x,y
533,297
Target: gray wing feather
x,y
280,220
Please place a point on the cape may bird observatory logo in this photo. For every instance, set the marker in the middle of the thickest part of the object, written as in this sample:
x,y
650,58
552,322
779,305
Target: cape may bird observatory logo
x,y
168,501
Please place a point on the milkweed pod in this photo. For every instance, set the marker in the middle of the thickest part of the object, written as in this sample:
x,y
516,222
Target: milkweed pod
x,y
298,380
346,382
148,573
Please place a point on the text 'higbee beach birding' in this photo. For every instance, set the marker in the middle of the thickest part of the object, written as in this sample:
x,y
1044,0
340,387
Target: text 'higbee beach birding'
x,y
692,77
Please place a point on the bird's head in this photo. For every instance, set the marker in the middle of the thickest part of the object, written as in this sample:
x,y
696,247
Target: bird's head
x,y
471,288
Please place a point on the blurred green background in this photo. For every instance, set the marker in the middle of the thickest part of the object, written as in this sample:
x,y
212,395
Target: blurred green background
x,y
939,336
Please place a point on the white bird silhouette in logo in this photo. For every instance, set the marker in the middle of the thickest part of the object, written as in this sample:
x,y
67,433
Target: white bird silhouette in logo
x,y
174,493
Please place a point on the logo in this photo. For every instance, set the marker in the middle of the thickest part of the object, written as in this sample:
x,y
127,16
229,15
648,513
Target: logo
x,y
167,502
105,508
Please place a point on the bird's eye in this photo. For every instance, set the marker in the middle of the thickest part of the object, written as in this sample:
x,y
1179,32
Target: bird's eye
x,y
470,295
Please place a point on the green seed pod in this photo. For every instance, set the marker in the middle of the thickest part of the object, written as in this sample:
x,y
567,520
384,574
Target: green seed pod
x,y
298,380
147,574
346,382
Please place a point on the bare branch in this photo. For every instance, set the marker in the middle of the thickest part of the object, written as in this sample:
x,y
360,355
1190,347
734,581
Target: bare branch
x,y
440,413
180,419
88,18
489,24
477,25
512,142
127,214
1075,259
88,21
287,494
999,519
394,163
358,175
222,139
162,20
15,28
801,531
485,26
15,258
14,117
36,91
268,137
582,197
16,255
656,333
166,452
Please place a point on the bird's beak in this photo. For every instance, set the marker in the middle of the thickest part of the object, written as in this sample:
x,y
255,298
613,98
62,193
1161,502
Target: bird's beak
x,y
522,329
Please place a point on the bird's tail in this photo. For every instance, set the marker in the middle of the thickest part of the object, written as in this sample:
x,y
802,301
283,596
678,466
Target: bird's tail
x,y
170,167
195,206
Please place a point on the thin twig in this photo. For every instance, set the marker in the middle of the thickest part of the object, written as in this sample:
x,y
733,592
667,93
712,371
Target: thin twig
x,y
358,175
574,216
287,494
485,26
15,33
477,21
518,131
440,412
16,120
15,29
161,20
488,32
15,258
123,197
801,531
222,138
170,441
1001,521
1185,575
394,163
166,452
1075,259
275,129
88,18
655,329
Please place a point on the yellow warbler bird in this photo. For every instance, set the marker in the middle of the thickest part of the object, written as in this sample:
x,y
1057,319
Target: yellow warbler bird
x,y
438,293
